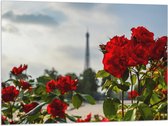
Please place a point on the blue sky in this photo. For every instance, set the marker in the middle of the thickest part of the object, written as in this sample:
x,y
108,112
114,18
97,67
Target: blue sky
x,y
51,34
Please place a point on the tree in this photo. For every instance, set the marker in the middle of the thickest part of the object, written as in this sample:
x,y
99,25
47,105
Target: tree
x,y
51,73
88,84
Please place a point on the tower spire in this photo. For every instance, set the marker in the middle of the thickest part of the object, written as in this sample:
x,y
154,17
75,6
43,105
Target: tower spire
x,y
87,53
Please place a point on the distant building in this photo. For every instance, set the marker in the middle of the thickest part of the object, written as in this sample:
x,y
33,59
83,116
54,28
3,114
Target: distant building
x,y
87,53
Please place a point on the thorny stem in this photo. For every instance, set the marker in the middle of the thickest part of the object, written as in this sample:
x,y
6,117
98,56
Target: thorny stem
x,y
131,87
122,104
139,86
11,114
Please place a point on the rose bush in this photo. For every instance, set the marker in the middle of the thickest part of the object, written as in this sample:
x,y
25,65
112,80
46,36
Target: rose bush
x,y
42,100
135,67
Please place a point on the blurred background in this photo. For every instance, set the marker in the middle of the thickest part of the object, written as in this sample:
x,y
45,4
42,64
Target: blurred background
x,y
57,38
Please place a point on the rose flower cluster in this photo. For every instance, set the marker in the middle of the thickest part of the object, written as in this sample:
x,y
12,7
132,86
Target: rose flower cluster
x,y
63,84
10,93
18,70
57,108
121,53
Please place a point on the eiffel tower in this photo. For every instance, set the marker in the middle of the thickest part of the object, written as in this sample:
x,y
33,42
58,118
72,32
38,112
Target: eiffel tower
x,y
87,53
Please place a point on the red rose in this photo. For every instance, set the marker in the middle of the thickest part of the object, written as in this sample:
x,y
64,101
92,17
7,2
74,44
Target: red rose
x,y
50,86
141,35
9,93
57,108
105,120
132,94
142,43
29,107
119,41
12,122
159,49
139,55
19,70
115,62
118,56
65,84
3,119
25,85
87,119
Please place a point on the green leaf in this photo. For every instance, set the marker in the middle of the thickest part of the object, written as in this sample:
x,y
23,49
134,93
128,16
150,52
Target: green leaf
x,y
123,87
110,108
162,80
102,74
43,79
26,99
40,90
88,98
146,111
116,100
33,117
163,108
50,121
8,80
106,84
134,105
116,89
16,82
143,67
71,118
6,110
77,100
141,98
22,76
133,77
130,115
125,75
61,120
150,85
155,98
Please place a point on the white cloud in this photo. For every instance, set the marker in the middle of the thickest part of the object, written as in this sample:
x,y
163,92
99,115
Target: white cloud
x,y
61,46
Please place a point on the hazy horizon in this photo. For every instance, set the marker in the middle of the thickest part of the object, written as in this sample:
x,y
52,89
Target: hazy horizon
x,y
52,34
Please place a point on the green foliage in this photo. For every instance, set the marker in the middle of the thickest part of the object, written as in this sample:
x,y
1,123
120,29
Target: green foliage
x,y
133,78
150,85
123,87
43,79
88,84
145,111
88,98
77,100
155,98
110,107
51,73
125,75
71,118
107,84
162,108
102,74
130,115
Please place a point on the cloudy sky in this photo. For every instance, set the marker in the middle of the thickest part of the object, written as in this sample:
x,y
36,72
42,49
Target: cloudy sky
x,y
51,34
